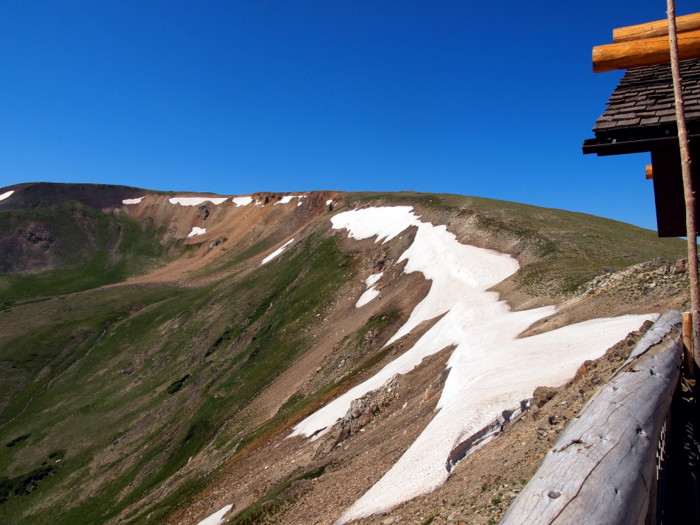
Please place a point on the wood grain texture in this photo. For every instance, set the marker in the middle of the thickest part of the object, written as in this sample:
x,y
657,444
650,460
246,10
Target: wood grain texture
x,y
654,29
663,326
602,468
645,52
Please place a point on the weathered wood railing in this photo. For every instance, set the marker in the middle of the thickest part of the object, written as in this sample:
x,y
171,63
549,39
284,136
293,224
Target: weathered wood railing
x,y
603,467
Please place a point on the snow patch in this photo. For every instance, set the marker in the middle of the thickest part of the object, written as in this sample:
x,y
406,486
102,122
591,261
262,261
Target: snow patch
x,y
132,201
371,292
329,202
242,201
196,201
276,252
196,231
6,195
216,518
287,199
491,370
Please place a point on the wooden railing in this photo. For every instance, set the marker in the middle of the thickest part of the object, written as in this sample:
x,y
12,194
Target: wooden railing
x,y
603,468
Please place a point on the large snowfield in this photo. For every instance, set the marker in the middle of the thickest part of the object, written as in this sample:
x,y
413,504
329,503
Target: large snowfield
x,y
491,370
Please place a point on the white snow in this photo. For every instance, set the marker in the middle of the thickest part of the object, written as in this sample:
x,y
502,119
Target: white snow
x,y
287,199
196,201
132,201
276,252
329,202
491,370
6,195
242,201
371,292
217,517
196,230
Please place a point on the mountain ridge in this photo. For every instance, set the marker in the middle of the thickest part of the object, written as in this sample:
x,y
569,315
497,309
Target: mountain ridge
x,y
208,354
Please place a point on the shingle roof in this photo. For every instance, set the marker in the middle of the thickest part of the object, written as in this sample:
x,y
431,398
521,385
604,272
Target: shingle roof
x,y
644,98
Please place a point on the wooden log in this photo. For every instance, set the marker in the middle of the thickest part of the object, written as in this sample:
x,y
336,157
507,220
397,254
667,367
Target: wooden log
x,y
656,28
649,170
646,52
603,466
667,322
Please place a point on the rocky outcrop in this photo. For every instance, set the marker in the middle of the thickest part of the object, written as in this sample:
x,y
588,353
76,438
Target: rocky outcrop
x,y
362,412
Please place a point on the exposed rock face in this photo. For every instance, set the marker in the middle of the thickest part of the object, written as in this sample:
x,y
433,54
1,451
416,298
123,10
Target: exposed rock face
x,y
361,413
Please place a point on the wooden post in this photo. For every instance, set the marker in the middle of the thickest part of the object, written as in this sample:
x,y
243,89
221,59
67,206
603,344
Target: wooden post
x,y
688,190
688,352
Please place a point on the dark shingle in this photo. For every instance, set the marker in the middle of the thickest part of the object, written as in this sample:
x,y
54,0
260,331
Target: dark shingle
x,y
644,97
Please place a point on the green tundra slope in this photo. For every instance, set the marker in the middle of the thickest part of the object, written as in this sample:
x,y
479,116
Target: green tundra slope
x,y
140,364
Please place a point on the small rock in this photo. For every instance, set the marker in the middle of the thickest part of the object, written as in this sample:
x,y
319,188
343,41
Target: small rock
x,y
542,395
681,266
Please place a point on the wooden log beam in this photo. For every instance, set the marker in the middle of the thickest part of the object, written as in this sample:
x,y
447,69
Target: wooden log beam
x,y
649,171
646,52
656,28
603,466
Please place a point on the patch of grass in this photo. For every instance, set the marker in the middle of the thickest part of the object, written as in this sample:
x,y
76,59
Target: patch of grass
x,y
273,501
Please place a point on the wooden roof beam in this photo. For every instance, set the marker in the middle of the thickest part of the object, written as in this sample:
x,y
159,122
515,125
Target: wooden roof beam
x,y
657,28
647,52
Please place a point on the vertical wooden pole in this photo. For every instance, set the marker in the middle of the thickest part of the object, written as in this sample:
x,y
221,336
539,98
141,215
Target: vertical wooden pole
x,y
688,351
688,190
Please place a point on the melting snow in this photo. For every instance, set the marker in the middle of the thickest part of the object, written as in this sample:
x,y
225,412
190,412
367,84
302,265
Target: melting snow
x,y
490,369
196,231
276,252
242,201
132,201
287,199
371,291
6,195
196,201
217,517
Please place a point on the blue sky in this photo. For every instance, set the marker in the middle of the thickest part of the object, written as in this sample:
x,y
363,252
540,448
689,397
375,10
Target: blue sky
x,y
491,99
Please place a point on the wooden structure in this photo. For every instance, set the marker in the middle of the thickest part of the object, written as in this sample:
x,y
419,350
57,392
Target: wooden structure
x,y
603,468
640,116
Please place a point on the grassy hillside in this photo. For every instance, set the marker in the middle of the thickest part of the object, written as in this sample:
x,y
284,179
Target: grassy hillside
x,y
108,393
152,372
68,247
559,250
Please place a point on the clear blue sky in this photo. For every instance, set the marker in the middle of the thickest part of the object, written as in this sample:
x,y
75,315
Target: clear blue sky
x,y
491,99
